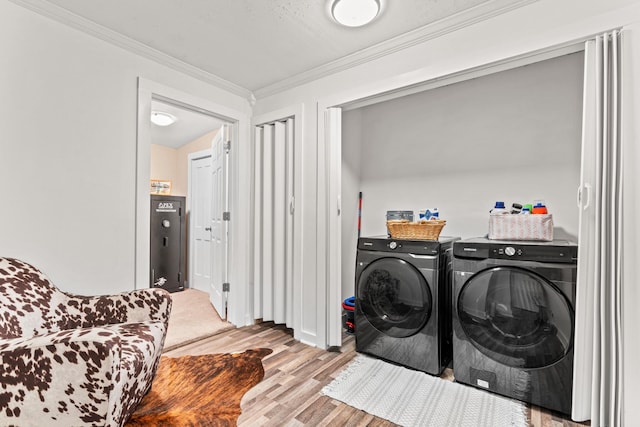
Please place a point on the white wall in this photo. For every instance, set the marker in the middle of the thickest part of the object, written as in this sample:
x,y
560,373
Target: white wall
x,y
513,136
68,114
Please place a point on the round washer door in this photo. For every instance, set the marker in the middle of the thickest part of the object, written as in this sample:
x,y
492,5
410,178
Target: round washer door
x,y
394,297
516,317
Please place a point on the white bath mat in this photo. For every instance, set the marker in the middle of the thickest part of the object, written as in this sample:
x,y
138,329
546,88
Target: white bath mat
x,y
411,398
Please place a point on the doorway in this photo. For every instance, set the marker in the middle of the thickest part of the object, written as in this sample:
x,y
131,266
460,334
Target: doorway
x,y
237,234
189,158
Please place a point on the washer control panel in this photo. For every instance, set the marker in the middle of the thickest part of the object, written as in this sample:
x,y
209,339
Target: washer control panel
x,y
507,252
416,247
529,251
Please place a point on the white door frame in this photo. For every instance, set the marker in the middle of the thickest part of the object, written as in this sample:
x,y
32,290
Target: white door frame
x,y
192,157
240,311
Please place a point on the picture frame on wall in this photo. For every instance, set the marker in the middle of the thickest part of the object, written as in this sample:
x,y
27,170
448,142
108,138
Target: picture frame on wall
x,y
160,186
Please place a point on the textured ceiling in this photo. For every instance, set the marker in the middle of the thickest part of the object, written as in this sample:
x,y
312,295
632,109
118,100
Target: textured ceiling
x,y
257,43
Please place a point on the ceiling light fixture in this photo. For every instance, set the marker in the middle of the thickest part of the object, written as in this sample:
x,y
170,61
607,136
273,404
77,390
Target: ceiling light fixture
x,y
161,118
355,13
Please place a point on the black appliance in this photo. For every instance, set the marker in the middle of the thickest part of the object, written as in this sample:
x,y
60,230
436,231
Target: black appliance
x,y
403,294
168,243
513,318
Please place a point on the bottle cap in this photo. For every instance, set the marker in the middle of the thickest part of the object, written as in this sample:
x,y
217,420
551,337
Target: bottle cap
x,y
539,207
499,205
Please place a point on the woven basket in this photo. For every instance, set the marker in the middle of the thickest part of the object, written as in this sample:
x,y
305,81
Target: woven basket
x,y
424,230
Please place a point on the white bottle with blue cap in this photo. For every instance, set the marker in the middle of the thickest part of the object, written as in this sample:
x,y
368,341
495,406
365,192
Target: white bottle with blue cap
x,y
499,209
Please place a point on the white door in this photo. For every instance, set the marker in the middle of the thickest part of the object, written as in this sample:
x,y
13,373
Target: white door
x,y
200,220
333,141
219,224
274,222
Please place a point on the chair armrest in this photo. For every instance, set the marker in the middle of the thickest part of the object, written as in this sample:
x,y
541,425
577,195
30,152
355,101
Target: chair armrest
x,y
99,338
142,305
67,377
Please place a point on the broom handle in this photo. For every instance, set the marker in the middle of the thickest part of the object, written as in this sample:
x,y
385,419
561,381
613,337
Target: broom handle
x,y
359,212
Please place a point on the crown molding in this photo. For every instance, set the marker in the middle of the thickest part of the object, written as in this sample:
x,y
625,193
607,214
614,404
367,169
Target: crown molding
x,y
434,30
431,31
65,17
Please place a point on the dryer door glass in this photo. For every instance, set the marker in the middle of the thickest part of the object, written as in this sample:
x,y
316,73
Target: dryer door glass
x,y
394,296
516,317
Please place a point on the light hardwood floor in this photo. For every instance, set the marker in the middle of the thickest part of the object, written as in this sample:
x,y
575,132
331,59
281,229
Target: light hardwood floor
x,y
290,393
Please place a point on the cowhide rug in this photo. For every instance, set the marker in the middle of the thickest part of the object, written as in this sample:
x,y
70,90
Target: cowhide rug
x,y
200,390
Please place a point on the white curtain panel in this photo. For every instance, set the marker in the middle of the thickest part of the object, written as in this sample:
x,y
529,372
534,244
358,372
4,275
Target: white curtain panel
x,y
273,222
598,338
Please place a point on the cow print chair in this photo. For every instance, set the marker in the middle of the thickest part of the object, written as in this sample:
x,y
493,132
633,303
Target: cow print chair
x,y
71,360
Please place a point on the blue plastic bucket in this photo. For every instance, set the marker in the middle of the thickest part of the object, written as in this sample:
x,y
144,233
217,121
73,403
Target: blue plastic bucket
x,y
348,314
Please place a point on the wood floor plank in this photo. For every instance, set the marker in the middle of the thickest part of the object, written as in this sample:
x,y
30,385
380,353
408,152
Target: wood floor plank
x,y
291,392
317,411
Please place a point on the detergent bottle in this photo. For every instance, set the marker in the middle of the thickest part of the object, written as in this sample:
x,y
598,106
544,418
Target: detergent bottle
x,y
499,209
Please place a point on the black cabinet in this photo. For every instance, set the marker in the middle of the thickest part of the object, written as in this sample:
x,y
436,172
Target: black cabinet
x,y
168,243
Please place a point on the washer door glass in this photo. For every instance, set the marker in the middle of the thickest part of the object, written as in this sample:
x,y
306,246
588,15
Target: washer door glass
x,y
516,317
394,296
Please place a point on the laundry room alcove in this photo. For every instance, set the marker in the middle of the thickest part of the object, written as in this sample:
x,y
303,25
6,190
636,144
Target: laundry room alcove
x,y
513,135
